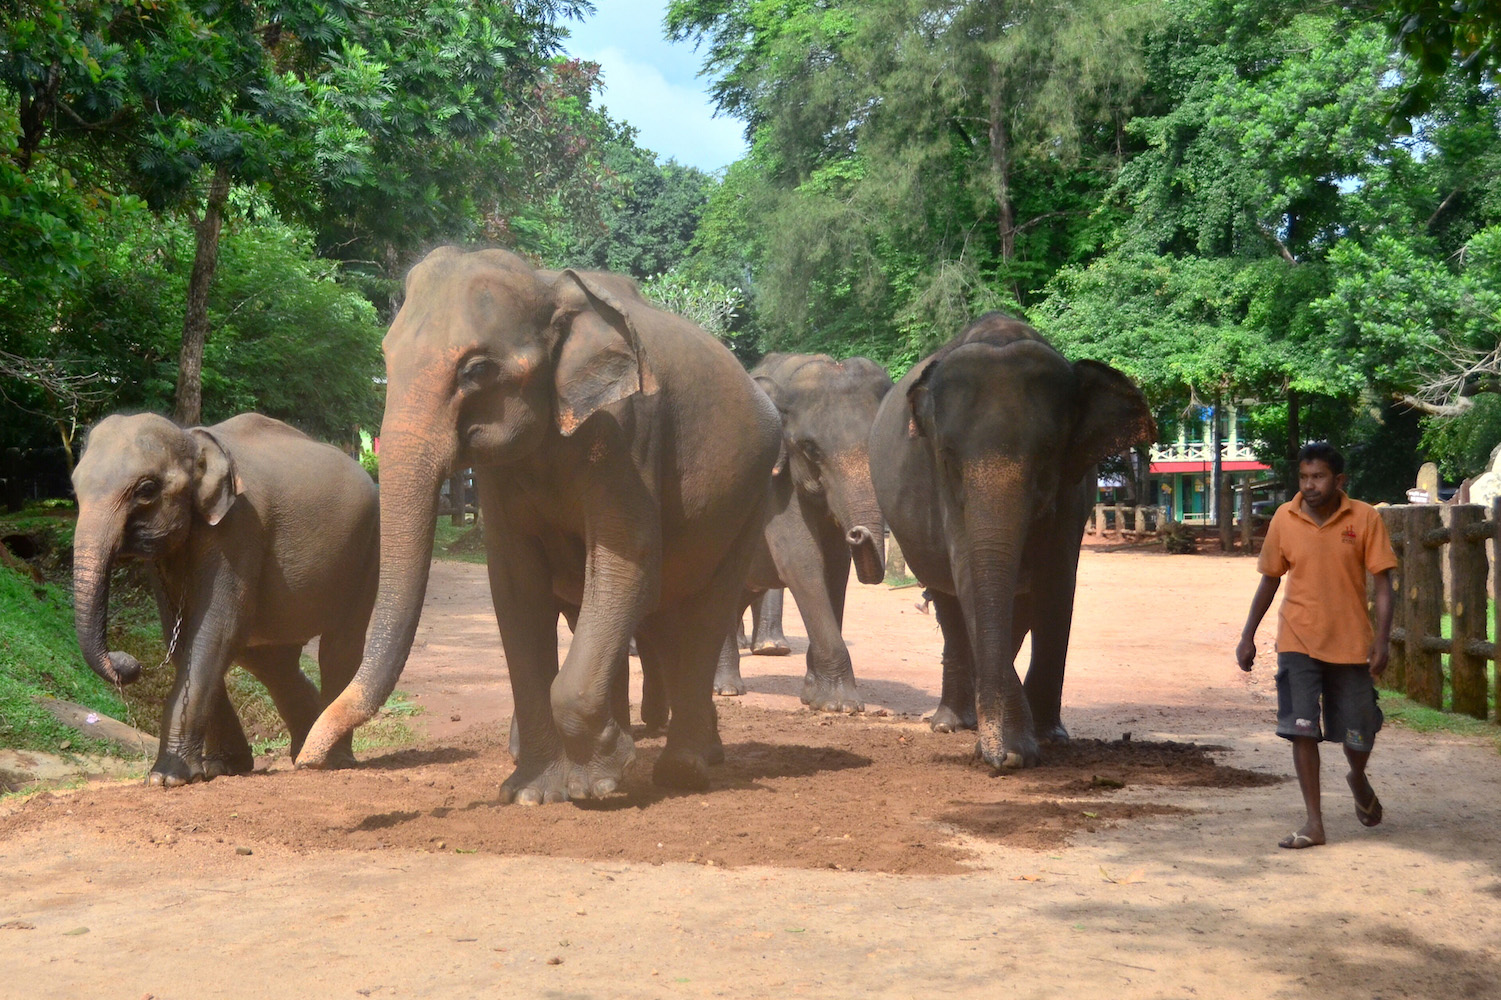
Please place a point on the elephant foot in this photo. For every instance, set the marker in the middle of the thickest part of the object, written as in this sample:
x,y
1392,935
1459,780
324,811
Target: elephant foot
x,y
1010,756
1053,734
214,767
771,647
729,685
682,769
832,696
339,758
946,720
174,771
532,785
602,772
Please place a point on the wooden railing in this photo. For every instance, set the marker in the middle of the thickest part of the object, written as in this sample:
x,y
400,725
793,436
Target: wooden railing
x,y
1124,519
1420,533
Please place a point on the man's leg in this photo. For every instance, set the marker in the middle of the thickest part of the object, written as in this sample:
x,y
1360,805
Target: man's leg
x,y
1300,683
1306,764
1367,805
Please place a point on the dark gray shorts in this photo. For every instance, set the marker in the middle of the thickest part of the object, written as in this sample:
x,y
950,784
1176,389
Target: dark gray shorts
x,y
1350,713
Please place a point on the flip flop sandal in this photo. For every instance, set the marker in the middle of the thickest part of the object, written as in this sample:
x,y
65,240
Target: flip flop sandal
x,y
1297,841
1369,815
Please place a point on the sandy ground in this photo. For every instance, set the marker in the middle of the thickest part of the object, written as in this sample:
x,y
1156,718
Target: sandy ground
x,y
833,856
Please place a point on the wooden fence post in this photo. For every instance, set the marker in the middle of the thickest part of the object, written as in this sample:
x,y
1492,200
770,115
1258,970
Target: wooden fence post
x,y
1396,667
1099,519
1246,525
1425,605
1470,653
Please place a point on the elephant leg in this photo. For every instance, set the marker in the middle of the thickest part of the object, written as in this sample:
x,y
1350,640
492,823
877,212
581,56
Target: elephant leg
x,y
727,679
742,640
295,696
956,705
653,693
1052,621
193,705
699,627
816,580
527,613
339,654
766,625
225,748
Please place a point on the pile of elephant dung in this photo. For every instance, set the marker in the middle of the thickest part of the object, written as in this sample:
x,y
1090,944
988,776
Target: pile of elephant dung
x,y
797,790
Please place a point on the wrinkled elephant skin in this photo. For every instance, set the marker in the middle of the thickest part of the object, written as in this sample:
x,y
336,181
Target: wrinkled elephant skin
x,y
822,513
983,461
616,451
257,539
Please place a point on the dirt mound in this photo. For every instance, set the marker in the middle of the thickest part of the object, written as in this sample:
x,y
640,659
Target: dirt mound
x,y
796,791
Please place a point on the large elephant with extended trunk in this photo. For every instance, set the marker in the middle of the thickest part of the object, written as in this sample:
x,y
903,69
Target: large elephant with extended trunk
x,y
618,452
258,538
983,458
822,513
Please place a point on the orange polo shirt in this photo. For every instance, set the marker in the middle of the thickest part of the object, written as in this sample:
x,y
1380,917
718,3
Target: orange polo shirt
x,y
1324,608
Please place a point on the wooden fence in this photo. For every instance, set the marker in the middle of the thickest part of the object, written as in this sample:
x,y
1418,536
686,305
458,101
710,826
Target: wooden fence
x,y
1420,533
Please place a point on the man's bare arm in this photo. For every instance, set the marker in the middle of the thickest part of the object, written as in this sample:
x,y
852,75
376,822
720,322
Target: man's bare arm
x,y
1245,652
1381,648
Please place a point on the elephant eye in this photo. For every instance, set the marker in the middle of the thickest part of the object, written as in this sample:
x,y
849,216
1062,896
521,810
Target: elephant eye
x,y
478,372
147,490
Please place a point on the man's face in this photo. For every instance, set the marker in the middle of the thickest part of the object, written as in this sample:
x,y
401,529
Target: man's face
x,y
1318,483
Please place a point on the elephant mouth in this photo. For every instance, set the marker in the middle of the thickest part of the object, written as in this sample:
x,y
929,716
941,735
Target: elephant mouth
x,y
865,546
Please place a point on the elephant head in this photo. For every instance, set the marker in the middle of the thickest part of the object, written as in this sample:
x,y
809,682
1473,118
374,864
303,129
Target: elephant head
x,y
486,359
141,485
1012,428
827,408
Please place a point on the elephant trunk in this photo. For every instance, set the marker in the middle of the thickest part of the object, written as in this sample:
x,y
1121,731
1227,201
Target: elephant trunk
x,y
413,466
853,502
95,546
989,567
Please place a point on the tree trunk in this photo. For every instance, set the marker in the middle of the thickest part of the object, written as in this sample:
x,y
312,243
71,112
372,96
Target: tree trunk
x,y
1000,164
189,408
1294,443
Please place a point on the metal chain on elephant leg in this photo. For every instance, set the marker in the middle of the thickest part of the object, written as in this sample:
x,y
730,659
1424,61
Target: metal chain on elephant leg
x,y
130,719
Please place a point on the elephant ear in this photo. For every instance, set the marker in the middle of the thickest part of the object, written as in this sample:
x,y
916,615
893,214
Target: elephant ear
x,y
920,403
600,359
774,393
1112,416
215,481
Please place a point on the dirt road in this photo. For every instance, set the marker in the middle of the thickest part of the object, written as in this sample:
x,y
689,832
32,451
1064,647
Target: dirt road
x,y
833,857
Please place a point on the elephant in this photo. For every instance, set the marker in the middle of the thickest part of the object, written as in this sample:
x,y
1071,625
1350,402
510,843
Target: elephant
x,y
983,461
822,514
257,538
618,452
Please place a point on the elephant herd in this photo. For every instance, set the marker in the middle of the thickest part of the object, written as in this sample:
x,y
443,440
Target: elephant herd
x,y
632,477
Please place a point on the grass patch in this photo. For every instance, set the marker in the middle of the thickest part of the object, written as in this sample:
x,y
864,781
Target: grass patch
x,y
39,657
1407,713
459,543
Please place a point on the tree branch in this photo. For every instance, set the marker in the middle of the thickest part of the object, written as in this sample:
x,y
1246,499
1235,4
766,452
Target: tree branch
x,y
1435,409
1442,205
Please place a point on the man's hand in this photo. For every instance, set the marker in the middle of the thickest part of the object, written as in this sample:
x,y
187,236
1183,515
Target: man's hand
x,y
1377,660
1245,653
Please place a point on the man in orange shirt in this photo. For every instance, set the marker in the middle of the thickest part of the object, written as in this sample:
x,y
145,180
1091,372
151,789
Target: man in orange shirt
x,y
1326,649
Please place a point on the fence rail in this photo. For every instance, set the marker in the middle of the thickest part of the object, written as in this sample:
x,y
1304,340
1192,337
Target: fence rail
x,y
1125,519
1429,581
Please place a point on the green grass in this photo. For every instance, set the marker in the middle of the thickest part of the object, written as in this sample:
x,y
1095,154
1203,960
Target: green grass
x,y
458,543
39,657
1420,718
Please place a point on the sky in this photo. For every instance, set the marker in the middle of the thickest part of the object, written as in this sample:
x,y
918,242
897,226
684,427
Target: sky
x,y
654,84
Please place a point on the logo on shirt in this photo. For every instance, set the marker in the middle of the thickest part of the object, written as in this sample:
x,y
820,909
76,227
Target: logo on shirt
x,y
1348,536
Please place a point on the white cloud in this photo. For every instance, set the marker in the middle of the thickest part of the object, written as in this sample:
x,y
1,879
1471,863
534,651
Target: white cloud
x,y
674,120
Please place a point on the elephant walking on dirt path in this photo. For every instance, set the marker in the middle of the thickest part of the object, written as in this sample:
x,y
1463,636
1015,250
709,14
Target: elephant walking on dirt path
x,y
983,460
619,453
258,538
821,517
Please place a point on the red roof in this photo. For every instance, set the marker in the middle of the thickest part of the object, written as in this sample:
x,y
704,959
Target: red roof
x,y
1167,468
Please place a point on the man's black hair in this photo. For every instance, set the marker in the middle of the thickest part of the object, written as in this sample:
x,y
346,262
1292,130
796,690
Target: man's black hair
x,y
1322,451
